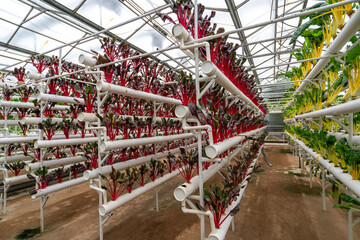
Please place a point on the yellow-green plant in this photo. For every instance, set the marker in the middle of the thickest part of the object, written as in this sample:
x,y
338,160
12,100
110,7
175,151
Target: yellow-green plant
x,y
354,81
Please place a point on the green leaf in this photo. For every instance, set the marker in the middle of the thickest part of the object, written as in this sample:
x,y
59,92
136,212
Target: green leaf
x,y
299,31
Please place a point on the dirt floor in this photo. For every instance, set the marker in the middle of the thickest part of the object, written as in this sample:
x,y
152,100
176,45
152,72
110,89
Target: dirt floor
x,y
278,205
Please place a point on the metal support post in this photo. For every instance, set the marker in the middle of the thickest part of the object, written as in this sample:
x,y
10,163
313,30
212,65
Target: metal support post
x,y
310,172
351,222
323,187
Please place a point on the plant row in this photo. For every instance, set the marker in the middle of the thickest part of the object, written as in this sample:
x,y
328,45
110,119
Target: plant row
x,y
338,152
223,54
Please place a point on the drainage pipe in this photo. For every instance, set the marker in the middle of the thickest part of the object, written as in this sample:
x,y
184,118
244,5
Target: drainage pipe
x,y
212,151
104,86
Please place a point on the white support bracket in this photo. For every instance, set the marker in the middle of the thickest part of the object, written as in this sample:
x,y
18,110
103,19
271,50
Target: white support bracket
x,y
352,222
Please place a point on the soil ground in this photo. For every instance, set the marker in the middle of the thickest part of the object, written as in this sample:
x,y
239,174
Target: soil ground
x,y
278,205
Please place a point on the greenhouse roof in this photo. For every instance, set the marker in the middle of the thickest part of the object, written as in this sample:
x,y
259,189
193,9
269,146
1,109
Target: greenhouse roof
x,y
42,26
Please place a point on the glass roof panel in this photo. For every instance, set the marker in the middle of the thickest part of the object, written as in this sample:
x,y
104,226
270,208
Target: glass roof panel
x,y
53,28
72,4
7,30
13,11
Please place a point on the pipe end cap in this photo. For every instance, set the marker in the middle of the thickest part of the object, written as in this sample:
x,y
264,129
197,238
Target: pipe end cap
x,y
208,68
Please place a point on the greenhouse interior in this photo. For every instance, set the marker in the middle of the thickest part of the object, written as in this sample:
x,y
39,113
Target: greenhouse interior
x,y
180,119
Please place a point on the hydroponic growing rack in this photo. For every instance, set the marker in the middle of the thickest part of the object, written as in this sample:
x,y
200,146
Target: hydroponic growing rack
x,y
131,109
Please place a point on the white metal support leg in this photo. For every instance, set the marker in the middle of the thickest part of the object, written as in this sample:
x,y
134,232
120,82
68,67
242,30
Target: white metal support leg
x,y
351,222
233,225
310,173
43,201
323,187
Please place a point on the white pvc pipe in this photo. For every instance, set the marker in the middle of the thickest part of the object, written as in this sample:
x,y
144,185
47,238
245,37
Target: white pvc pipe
x,y
349,30
37,120
345,178
17,104
182,111
348,107
181,33
27,105
34,75
17,140
16,158
112,205
104,86
58,187
210,69
105,170
63,142
220,233
111,145
57,98
186,189
87,117
86,60
212,151
9,122
15,179
54,162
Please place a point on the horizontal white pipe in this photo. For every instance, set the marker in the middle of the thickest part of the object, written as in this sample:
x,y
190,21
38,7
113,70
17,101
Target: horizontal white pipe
x,y
37,120
105,170
9,122
63,142
87,117
351,27
23,177
104,86
34,75
15,179
56,137
16,158
21,157
17,140
212,151
58,98
54,162
210,69
345,178
186,189
344,108
87,60
91,117
58,187
112,205
111,145
27,105
17,104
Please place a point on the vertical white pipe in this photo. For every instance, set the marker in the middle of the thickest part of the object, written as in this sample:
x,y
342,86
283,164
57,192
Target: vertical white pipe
x,y
201,188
